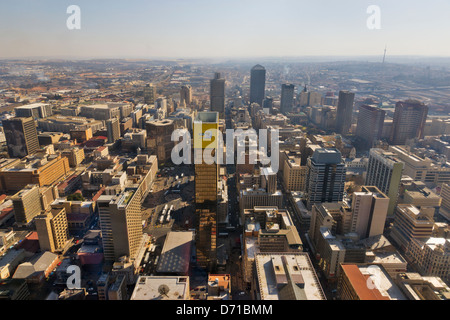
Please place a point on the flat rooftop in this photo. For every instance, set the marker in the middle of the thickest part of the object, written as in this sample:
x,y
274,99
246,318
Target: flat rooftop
x,y
161,288
176,252
272,277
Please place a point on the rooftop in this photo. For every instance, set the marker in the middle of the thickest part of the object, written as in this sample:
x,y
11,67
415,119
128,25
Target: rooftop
x,y
161,288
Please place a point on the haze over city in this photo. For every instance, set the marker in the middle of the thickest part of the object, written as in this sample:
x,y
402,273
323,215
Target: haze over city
x,y
245,152
211,29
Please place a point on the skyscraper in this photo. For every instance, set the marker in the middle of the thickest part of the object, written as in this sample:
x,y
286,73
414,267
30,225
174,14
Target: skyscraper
x,y
185,95
325,177
370,124
287,98
149,94
257,84
369,211
385,172
206,131
217,94
344,112
21,136
113,130
121,218
52,229
409,121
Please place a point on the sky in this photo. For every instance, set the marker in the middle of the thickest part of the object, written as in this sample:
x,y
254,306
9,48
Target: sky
x,y
147,29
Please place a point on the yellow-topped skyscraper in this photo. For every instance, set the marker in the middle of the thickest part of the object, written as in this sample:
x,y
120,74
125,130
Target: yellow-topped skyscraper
x,y
206,131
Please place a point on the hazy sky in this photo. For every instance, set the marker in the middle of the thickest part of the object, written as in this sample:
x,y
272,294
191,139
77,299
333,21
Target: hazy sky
x,y
226,28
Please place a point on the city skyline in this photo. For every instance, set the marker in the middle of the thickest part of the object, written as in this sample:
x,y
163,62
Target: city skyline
x,y
176,29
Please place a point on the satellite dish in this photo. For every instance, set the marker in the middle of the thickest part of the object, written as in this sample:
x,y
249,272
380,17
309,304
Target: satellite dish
x,y
163,290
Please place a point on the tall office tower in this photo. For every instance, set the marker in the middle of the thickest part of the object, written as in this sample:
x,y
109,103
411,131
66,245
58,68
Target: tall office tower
x,y
149,93
344,112
409,121
113,130
369,211
206,130
217,94
27,204
384,171
121,220
370,124
21,136
186,95
257,84
287,98
52,230
325,177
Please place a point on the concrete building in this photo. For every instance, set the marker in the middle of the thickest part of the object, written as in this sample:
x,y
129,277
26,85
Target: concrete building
x,y
365,282
417,287
285,276
121,218
219,287
113,129
40,169
409,121
431,172
369,211
34,110
185,95
384,171
27,204
21,136
66,124
294,173
431,256
445,205
149,93
53,230
325,177
74,155
161,288
411,223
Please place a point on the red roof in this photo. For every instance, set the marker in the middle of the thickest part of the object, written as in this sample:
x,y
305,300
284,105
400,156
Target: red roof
x,y
359,283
